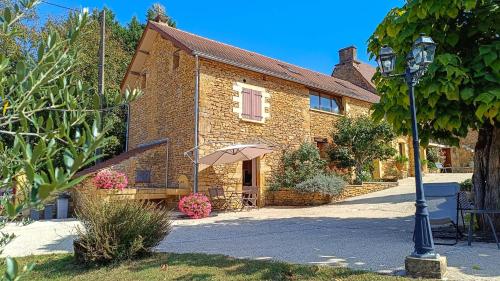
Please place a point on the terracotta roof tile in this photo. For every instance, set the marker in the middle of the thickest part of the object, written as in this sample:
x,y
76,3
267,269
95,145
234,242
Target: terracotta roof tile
x,y
217,51
367,71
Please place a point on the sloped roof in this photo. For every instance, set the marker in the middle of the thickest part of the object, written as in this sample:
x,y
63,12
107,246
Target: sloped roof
x,y
367,71
121,157
217,51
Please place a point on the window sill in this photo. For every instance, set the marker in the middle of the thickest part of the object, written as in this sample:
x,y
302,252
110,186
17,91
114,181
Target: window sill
x,y
326,112
252,121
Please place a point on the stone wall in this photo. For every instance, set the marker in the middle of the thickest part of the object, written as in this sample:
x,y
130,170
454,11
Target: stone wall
x,y
287,197
166,110
286,126
288,120
463,156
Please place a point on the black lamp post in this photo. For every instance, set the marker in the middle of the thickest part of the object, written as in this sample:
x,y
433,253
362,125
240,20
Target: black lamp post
x,y
419,58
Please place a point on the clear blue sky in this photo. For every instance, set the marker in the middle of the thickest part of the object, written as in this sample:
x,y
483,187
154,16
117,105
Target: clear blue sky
x,y
305,33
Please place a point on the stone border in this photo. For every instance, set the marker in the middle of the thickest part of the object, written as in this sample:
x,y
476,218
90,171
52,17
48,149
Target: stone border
x,y
288,197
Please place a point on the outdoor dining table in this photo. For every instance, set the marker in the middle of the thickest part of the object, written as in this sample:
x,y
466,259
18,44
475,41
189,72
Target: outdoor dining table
x,y
487,214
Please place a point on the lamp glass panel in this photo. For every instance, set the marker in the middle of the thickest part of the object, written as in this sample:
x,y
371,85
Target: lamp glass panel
x,y
418,54
429,53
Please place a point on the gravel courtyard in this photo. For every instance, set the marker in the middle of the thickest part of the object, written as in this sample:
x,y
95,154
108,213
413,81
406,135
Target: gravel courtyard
x,y
371,232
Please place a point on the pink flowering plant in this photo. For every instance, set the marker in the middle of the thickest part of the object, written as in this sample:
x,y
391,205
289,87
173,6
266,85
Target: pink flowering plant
x,y
109,179
195,206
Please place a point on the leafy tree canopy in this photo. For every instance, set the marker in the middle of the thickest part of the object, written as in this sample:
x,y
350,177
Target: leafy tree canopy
x,y
357,142
460,90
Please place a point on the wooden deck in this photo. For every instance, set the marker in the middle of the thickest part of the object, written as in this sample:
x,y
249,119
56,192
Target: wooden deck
x,y
144,193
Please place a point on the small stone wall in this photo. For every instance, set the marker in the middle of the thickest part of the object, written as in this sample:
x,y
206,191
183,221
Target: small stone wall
x,y
287,197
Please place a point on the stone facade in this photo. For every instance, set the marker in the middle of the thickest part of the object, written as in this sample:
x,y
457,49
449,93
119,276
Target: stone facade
x,y
165,111
288,123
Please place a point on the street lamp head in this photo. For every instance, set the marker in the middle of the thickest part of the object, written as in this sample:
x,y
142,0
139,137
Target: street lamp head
x,y
423,50
386,60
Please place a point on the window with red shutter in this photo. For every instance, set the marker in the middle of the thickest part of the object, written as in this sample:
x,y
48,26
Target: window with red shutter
x,y
247,103
257,105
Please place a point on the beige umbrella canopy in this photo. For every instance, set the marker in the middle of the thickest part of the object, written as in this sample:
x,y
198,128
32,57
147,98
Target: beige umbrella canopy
x,y
235,153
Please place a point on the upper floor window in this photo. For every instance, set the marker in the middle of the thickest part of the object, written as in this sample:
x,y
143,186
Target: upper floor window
x,y
252,104
324,102
175,60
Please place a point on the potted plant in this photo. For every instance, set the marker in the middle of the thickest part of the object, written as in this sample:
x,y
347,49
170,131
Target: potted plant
x,y
401,161
109,179
195,206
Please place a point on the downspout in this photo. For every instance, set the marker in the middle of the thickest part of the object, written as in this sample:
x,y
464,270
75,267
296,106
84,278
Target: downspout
x,y
166,164
196,121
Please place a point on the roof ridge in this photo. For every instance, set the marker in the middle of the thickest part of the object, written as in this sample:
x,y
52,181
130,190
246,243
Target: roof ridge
x,y
229,45
328,82
236,47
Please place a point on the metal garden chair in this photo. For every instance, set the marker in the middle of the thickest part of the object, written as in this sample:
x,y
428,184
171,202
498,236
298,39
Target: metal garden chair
x,y
443,205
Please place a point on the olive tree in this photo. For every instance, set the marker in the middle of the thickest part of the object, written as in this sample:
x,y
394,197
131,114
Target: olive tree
x,y
460,91
43,117
358,141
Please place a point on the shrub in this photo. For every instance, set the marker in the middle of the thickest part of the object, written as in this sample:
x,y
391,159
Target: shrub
x,y
298,166
358,141
195,206
466,185
109,179
119,229
434,155
322,183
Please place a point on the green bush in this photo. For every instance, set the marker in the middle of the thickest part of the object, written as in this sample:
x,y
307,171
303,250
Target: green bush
x,y
466,185
298,166
118,229
434,156
322,183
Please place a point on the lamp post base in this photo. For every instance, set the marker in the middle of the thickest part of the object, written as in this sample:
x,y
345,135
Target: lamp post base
x,y
426,267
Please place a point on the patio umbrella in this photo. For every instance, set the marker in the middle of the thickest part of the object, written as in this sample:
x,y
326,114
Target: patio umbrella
x,y
235,153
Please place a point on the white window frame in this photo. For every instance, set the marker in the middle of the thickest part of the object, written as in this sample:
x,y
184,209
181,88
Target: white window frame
x,y
238,87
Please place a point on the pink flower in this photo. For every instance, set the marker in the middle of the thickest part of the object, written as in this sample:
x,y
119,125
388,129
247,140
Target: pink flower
x,y
195,206
109,179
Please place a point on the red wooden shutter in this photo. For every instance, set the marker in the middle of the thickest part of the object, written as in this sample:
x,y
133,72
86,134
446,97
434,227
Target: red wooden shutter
x,y
247,103
257,105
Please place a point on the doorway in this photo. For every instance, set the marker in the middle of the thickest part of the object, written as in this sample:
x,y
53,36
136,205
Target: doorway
x,y
249,172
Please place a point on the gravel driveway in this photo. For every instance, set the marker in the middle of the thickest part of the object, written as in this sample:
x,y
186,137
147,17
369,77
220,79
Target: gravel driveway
x,y
371,232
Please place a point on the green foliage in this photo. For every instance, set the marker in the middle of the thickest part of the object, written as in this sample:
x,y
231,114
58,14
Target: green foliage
x,y
460,90
121,41
322,183
158,10
298,166
43,116
118,229
401,159
357,142
466,185
434,156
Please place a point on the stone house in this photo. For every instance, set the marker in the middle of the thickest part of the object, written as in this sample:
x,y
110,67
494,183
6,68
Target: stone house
x,y
201,95
359,73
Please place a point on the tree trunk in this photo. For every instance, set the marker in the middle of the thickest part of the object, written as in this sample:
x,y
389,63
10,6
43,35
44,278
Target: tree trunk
x,y
486,178
359,174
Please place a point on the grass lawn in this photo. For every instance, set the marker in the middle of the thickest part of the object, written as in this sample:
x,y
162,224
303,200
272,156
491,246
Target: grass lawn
x,y
189,267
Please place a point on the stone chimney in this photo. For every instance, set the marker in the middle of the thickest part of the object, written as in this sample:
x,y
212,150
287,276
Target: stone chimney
x,y
348,55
